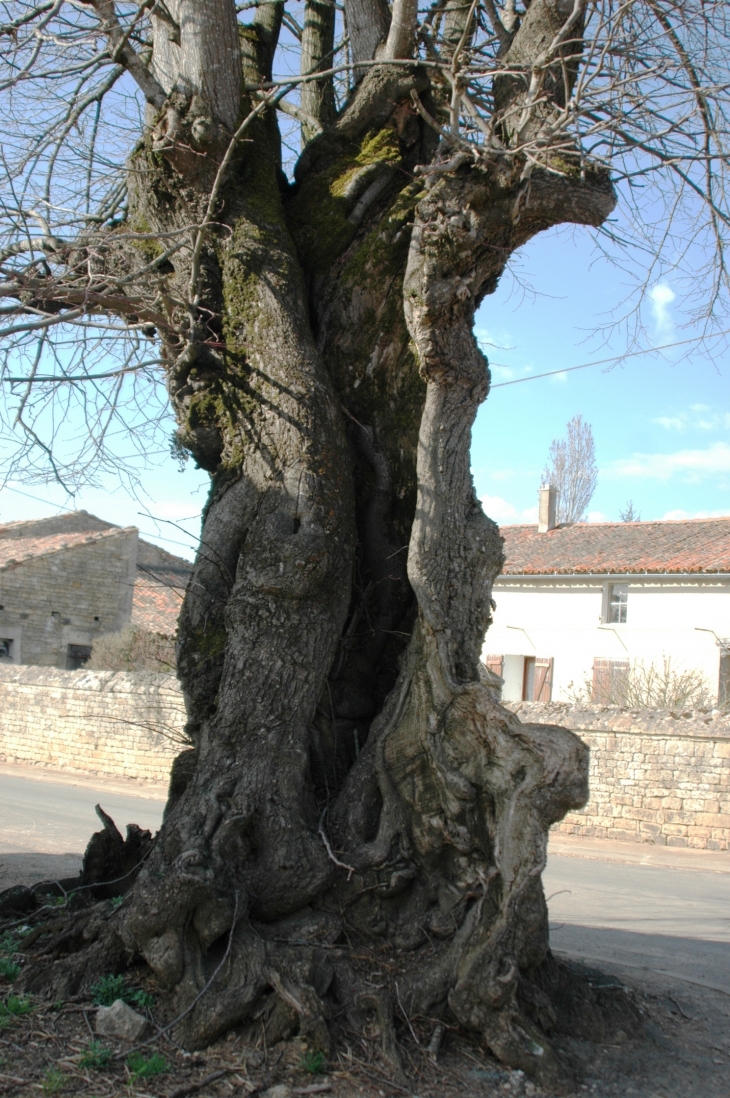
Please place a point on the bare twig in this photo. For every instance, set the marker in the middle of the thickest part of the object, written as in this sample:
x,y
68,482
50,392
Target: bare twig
x,y
332,856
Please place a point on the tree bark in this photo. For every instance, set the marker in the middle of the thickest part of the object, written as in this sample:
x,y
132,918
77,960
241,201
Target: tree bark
x,y
351,768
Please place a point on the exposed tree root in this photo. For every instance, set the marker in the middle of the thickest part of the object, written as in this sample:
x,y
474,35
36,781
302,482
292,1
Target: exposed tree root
x,y
443,912
351,986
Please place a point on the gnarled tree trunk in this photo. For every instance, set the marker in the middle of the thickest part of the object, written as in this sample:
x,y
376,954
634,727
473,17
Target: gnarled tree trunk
x,y
351,764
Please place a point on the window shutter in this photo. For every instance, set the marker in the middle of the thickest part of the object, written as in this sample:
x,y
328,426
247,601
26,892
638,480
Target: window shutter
x,y
608,685
543,690
601,682
495,664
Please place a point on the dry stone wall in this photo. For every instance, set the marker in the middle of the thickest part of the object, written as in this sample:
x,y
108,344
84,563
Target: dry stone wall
x,y
655,776
105,723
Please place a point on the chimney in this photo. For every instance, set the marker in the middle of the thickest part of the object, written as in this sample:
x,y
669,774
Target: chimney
x,y
547,513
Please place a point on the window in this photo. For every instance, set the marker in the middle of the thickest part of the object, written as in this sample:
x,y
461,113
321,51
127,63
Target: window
x,y
618,596
77,655
6,648
537,680
609,682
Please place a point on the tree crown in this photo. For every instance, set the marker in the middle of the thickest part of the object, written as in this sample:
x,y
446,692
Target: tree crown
x,y
568,87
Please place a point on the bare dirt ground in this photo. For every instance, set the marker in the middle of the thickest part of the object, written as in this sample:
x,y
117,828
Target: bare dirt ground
x,y
684,1052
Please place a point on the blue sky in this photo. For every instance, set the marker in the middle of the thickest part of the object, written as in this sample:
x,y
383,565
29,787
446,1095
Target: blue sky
x,y
661,422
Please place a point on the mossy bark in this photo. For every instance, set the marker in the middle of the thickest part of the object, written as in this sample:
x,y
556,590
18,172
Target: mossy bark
x,y
352,768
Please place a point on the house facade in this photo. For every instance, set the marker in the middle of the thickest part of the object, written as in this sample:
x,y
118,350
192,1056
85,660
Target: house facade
x,y
578,606
66,580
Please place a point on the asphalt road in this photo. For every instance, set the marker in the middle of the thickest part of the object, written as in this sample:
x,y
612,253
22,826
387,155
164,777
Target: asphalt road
x,y
58,818
674,921
671,919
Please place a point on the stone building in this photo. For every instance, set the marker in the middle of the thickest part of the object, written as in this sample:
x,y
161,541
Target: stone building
x,y
66,580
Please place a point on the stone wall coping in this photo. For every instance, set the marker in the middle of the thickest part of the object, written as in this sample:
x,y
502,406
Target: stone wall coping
x,y
698,724
116,682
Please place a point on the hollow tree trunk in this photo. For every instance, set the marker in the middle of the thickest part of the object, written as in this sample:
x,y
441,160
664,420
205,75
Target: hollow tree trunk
x,y
349,753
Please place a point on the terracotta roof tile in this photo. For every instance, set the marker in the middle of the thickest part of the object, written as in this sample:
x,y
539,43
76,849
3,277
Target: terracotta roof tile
x,y
159,589
161,577
688,546
15,551
156,607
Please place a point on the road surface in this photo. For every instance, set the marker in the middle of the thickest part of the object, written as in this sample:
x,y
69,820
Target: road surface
x,y
674,921
55,817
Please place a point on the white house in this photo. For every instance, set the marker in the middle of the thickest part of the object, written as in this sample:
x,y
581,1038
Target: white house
x,y
582,603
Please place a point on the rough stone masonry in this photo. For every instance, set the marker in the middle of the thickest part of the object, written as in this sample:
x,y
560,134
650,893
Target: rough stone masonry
x,y
656,776
106,723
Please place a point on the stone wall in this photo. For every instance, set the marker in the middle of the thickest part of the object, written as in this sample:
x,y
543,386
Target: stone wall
x,y
655,776
105,723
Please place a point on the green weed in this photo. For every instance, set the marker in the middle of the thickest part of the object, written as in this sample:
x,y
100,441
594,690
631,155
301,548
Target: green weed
x,y
55,901
117,901
96,1056
53,1081
13,1007
313,1062
110,988
141,1067
8,969
8,943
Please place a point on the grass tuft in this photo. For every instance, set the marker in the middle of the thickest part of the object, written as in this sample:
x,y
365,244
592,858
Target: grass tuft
x,y
110,988
96,1056
8,969
141,1067
53,1081
313,1062
12,1008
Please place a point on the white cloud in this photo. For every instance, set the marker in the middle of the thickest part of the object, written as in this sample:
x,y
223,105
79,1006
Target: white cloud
x,y
680,514
497,508
561,377
661,297
671,423
597,516
681,421
691,464
505,513
502,371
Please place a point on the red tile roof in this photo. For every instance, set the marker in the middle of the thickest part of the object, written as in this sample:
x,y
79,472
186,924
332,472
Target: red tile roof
x,y
15,551
617,548
155,607
159,589
161,577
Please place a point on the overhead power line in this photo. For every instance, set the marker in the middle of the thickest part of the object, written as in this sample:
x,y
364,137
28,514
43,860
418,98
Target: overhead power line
x,y
605,361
